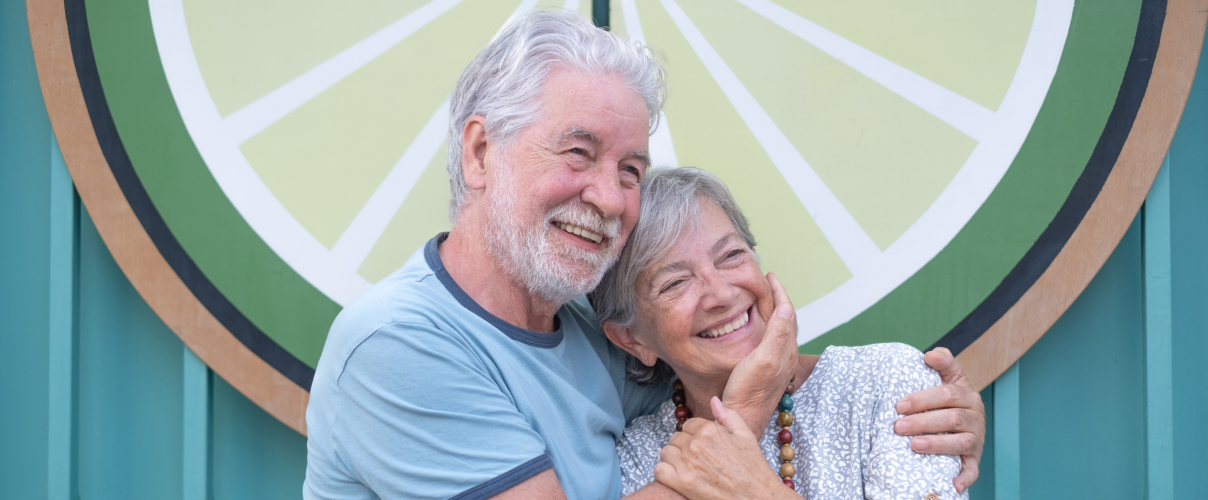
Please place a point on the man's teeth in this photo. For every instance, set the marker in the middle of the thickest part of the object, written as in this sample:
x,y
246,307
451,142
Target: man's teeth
x,y
728,327
578,231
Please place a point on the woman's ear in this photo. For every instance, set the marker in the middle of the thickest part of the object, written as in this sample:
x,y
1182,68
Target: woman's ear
x,y
474,152
624,338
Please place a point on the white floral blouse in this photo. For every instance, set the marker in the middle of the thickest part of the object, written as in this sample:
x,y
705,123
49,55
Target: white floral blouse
x,y
843,431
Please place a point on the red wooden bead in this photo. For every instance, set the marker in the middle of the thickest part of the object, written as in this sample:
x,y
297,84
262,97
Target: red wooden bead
x,y
679,426
789,483
681,412
677,398
786,436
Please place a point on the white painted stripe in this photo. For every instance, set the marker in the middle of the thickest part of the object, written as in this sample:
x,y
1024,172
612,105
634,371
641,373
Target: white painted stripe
x,y
524,8
363,233
855,248
571,5
970,118
271,221
662,151
966,191
367,227
267,110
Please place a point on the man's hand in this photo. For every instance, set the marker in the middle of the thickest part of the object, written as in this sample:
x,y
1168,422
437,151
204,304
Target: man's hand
x,y
959,413
719,460
758,381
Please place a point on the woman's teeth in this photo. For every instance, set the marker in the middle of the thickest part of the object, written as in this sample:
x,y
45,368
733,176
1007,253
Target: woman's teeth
x,y
728,327
578,231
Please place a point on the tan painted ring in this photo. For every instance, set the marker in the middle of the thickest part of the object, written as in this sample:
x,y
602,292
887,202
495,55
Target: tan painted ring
x,y
1112,211
129,243
984,360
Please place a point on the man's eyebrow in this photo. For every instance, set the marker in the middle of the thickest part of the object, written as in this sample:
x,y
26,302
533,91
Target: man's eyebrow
x,y
641,155
578,133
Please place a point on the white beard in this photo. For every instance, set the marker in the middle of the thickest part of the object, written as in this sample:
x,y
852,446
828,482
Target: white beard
x,y
536,257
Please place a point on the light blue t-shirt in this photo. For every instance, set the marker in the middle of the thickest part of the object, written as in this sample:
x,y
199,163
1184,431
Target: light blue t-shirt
x,y
421,393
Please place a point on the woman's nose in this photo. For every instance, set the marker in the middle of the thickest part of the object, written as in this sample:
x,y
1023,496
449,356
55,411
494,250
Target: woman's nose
x,y
717,293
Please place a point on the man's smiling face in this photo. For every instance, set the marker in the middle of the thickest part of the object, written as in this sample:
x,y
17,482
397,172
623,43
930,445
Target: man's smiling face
x,y
563,196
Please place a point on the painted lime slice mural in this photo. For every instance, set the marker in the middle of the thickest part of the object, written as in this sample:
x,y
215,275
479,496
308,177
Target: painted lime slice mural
x,y
905,165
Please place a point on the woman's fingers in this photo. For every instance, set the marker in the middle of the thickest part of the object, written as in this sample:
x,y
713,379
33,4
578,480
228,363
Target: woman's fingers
x,y
729,419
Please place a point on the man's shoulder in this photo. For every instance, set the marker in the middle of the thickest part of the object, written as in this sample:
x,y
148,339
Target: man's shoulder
x,y
411,298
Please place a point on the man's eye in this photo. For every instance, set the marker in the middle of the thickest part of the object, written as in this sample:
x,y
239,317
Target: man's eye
x,y
578,151
633,171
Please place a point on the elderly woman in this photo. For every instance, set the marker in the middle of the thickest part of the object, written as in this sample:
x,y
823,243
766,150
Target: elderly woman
x,y
688,300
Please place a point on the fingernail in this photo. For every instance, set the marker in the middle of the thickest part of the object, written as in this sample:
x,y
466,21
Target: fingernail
x,y
903,407
920,443
785,312
901,427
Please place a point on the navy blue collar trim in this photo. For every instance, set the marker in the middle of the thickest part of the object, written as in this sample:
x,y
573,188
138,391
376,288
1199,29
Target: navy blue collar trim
x,y
535,339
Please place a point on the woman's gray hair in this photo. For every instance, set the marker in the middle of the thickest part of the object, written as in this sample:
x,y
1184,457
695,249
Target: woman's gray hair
x,y
671,206
503,83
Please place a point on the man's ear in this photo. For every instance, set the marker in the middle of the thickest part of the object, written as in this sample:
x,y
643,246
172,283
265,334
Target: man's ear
x,y
623,337
474,153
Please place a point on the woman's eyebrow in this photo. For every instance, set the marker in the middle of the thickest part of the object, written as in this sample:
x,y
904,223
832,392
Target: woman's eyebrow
x,y
722,242
672,267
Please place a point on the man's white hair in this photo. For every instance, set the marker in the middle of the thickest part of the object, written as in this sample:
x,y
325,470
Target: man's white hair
x,y
503,83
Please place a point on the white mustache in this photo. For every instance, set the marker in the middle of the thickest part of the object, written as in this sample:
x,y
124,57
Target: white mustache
x,y
580,214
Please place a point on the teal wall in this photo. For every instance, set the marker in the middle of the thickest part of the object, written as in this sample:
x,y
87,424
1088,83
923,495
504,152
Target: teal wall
x,y
98,399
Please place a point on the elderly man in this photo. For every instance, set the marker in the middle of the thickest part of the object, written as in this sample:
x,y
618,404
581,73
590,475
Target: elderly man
x,y
478,370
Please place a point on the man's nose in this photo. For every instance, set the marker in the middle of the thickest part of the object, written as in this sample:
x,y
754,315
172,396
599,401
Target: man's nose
x,y
605,192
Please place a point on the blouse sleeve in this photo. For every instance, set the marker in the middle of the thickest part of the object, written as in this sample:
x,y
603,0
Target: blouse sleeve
x,y
893,470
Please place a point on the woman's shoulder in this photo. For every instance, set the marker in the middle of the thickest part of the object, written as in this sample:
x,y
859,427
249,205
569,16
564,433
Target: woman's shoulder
x,y
874,365
646,435
639,446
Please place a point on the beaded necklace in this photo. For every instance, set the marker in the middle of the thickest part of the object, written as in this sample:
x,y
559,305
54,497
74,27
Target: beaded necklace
x,y
784,420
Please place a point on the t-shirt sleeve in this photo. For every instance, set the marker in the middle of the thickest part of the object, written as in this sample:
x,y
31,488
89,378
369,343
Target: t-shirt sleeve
x,y
893,470
421,416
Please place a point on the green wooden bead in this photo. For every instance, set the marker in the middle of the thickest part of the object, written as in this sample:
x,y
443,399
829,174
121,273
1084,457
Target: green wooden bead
x,y
786,403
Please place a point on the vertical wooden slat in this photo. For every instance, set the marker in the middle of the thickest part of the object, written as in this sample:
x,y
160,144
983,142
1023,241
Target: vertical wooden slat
x,y
195,476
1006,435
61,416
1159,396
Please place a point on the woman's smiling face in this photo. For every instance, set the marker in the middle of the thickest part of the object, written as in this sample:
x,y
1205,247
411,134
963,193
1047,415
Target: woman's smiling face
x,y
704,306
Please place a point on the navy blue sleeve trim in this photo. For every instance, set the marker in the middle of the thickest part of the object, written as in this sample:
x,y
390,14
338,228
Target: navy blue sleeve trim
x,y
507,480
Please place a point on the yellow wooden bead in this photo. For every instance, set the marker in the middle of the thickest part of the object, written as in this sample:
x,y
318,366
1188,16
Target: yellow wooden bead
x,y
787,470
786,453
785,419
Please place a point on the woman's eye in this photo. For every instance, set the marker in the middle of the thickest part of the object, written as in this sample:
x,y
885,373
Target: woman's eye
x,y
671,285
